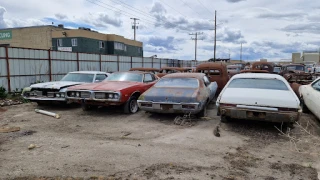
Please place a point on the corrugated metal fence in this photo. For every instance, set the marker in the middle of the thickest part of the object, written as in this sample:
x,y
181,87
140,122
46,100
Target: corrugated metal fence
x,y
20,67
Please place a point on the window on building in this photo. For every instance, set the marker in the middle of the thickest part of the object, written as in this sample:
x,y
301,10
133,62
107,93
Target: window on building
x,y
125,48
101,44
120,46
74,42
59,43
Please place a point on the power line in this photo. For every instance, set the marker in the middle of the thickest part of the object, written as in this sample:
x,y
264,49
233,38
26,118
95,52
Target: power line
x,y
195,40
205,7
190,7
172,8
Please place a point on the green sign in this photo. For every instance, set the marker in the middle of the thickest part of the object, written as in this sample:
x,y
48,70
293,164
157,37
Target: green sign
x,y
5,35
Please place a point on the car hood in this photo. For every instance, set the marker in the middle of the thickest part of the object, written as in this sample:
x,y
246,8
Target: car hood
x,y
260,97
176,95
106,86
55,84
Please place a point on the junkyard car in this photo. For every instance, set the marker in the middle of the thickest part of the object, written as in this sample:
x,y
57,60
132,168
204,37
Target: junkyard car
x,y
216,72
259,96
179,93
296,73
233,70
310,97
120,88
144,69
55,91
168,70
268,66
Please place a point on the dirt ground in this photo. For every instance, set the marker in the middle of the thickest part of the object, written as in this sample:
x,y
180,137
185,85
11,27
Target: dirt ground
x,y
106,144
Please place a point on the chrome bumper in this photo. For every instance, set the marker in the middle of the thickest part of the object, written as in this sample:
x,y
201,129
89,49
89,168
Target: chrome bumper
x,y
170,107
259,115
45,99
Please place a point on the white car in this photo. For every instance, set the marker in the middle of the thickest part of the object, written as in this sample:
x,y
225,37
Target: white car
x,y
310,97
259,96
55,91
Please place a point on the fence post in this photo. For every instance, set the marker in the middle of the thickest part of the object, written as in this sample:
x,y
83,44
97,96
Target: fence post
x,y
100,62
78,64
118,64
8,69
131,62
142,61
50,65
160,63
152,62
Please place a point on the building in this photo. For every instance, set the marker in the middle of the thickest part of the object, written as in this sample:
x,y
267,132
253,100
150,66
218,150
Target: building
x,y
59,38
306,57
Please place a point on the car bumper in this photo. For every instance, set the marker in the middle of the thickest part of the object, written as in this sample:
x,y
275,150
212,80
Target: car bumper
x,y
35,99
96,102
165,107
259,115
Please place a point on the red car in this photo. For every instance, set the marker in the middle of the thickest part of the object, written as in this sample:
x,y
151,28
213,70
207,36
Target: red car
x,y
120,88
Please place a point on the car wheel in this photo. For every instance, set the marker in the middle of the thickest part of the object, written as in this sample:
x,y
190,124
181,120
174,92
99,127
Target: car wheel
x,y
131,106
304,107
203,112
224,119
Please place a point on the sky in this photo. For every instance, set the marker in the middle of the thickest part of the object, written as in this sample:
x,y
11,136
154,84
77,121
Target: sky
x,y
266,29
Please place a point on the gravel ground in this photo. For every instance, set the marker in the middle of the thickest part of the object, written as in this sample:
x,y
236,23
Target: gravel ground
x,y
106,144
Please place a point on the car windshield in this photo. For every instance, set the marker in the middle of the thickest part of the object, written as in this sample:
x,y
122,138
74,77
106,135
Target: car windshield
x,y
135,77
277,69
78,77
298,68
178,83
255,83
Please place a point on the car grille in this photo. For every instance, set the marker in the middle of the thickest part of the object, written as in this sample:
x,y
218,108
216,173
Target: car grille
x,y
85,94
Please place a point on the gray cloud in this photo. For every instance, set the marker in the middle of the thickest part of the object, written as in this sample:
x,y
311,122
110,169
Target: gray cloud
x,y
235,1
226,35
167,43
156,44
104,19
2,23
158,8
281,15
61,16
313,28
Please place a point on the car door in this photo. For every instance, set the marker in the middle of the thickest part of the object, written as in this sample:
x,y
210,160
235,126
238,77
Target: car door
x,y
314,97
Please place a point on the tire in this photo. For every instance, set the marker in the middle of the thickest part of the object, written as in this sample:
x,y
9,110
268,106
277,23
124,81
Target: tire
x,y
41,103
131,106
203,112
224,119
86,107
286,127
304,107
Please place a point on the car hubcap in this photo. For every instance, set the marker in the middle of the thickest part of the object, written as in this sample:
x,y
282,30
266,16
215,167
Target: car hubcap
x,y
133,106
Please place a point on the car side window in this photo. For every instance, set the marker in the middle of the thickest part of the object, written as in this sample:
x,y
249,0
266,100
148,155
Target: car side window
x,y
206,80
100,77
316,85
148,78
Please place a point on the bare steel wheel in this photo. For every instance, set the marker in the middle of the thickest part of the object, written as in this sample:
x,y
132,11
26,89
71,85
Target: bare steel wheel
x,y
131,106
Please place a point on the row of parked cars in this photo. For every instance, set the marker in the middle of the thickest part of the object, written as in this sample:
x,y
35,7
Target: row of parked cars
x,y
249,95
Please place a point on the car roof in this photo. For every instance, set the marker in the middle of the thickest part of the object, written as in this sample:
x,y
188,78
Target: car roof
x,y
144,69
88,72
185,75
133,72
258,75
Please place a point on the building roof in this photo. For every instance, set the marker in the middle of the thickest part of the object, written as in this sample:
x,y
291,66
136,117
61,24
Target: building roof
x,y
185,75
41,26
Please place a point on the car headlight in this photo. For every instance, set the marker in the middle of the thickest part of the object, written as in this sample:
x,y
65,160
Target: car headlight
x,y
110,96
58,95
116,96
62,95
72,94
77,94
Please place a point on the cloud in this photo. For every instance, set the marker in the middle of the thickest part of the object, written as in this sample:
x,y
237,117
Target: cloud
x,y
104,19
158,8
235,1
2,23
61,16
312,27
226,35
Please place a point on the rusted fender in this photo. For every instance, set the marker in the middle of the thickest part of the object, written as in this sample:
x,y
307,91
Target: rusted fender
x,y
295,88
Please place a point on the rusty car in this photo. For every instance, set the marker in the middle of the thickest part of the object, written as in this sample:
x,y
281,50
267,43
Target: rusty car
x,y
296,73
145,69
55,91
120,88
216,72
310,97
188,93
259,96
268,66
168,70
240,64
233,70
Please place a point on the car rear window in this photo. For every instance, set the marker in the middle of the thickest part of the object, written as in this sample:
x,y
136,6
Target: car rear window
x,y
271,84
178,82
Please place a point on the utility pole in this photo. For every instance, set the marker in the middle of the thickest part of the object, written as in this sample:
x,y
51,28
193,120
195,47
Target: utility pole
x,y
215,35
195,44
241,53
134,26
